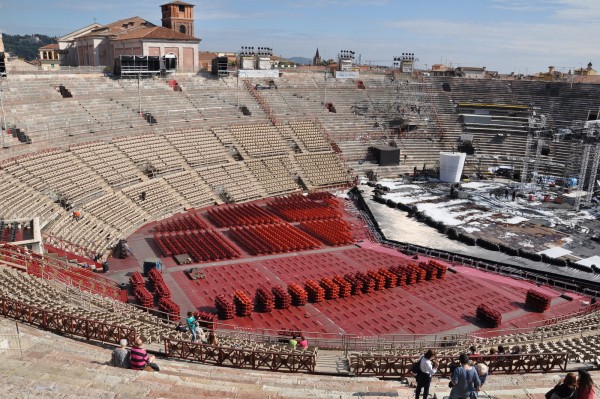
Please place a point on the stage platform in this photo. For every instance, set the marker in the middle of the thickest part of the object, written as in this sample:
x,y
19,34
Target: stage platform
x,y
429,307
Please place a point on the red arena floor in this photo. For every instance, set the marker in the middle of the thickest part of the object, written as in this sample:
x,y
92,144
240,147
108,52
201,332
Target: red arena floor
x,y
429,307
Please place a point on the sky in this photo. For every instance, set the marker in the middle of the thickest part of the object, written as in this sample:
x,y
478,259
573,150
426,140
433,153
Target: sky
x,y
521,36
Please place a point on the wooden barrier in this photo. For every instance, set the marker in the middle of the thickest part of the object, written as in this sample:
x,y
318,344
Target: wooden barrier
x,y
65,324
399,366
241,358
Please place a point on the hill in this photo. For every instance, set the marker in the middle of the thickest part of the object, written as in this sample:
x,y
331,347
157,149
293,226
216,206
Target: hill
x,y
301,60
26,46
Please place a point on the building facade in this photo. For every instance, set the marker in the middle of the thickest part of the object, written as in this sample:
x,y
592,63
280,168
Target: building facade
x,y
98,45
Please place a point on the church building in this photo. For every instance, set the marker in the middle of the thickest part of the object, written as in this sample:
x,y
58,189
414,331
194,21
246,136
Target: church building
x,y
98,45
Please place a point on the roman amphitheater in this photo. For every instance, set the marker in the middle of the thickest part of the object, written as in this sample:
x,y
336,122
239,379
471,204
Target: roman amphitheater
x,y
263,205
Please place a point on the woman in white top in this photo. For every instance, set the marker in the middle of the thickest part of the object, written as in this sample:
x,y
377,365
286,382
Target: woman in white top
x,y
427,368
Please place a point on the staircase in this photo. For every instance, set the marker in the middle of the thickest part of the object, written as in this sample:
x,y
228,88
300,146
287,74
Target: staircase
x,y
331,362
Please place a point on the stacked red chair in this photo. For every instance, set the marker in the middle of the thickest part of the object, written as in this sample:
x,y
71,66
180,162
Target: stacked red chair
x,y
356,284
489,315
283,300
315,292
243,304
441,268
345,288
265,301
430,271
331,231
297,208
190,221
419,274
401,274
391,280
298,294
158,284
368,282
168,306
377,278
143,296
206,320
272,239
136,279
225,308
537,301
201,246
332,290
241,215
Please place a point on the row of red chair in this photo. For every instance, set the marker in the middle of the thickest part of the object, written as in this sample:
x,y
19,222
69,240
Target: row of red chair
x,y
297,208
315,292
243,304
241,215
190,221
331,231
265,300
225,308
273,238
166,305
488,315
327,289
206,245
321,196
537,301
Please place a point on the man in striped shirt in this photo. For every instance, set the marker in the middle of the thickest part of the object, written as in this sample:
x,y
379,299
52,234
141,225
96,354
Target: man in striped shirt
x,y
139,358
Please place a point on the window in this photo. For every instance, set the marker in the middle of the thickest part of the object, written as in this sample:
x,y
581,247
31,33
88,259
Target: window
x,y
181,8
182,29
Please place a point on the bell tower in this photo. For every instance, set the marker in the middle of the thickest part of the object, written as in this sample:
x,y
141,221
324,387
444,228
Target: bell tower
x,y
178,16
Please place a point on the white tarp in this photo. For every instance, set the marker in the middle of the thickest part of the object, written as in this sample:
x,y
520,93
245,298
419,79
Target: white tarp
x,y
588,262
555,252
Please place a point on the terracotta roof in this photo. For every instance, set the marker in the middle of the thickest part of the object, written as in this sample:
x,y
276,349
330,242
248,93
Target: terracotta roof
x,y
178,3
51,46
156,32
120,26
138,28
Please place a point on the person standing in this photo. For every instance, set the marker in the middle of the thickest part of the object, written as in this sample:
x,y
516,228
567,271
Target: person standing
x,y
191,323
465,381
427,368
